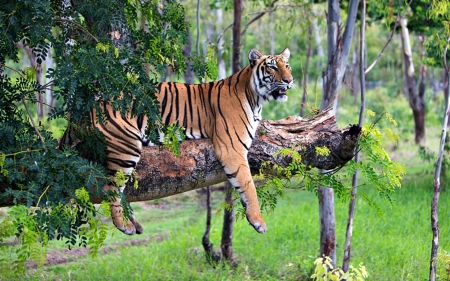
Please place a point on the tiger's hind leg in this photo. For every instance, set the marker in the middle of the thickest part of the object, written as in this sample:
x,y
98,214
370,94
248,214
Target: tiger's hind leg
x,y
128,226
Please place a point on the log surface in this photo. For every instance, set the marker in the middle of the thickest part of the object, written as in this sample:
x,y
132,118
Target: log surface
x,y
160,173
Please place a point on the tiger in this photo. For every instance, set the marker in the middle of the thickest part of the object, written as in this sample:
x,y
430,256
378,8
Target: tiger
x,y
227,111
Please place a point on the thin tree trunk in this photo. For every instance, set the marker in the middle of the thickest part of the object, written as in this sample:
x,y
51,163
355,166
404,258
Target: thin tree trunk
x,y
50,101
236,62
446,87
39,78
228,215
198,28
437,185
354,78
327,224
187,49
305,72
228,224
416,101
351,209
338,50
211,255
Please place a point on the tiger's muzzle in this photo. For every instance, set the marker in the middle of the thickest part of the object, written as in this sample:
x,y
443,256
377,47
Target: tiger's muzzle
x,y
279,93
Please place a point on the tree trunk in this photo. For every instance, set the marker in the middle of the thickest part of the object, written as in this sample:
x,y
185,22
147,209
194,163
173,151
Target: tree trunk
x,y
50,101
236,63
437,190
351,207
39,78
305,72
338,51
446,85
187,49
228,224
416,100
161,174
228,215
211,255
354,77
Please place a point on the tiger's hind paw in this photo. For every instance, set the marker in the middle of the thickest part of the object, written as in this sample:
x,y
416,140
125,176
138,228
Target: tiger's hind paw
x,y
258,224
261,228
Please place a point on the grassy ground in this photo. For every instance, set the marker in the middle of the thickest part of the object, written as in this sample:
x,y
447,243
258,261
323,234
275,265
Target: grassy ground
x,y
395,246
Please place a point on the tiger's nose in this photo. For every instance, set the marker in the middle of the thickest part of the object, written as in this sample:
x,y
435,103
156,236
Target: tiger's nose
x,y
288,80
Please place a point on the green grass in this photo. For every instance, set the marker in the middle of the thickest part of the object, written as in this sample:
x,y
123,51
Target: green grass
x,y
395,246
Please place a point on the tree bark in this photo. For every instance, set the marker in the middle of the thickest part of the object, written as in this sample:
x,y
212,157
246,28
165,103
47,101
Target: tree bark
x,y
162,174
211,255
236,63
416,100
305,72
228,225
352,204
437,186
338,51
39,78
187,49
226,244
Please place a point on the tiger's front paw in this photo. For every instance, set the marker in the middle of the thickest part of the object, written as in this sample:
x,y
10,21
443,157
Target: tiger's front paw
x,y
137,225
130,226
127,228
258,223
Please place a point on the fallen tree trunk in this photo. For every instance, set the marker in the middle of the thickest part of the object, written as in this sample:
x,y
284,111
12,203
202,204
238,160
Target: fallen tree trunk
x,y
161,174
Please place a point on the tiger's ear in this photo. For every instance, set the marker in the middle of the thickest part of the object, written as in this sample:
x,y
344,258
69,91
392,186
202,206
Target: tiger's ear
x,y
254,56
286,53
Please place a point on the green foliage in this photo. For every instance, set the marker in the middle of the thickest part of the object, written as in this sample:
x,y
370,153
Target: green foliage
x,y
101,53
376,168
324,271
205,67
443,266
173,136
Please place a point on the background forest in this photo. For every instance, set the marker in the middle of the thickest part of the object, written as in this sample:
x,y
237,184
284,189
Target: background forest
x,y
54,55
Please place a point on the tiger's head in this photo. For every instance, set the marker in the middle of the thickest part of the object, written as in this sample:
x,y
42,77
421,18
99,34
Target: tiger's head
x,y
271,75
